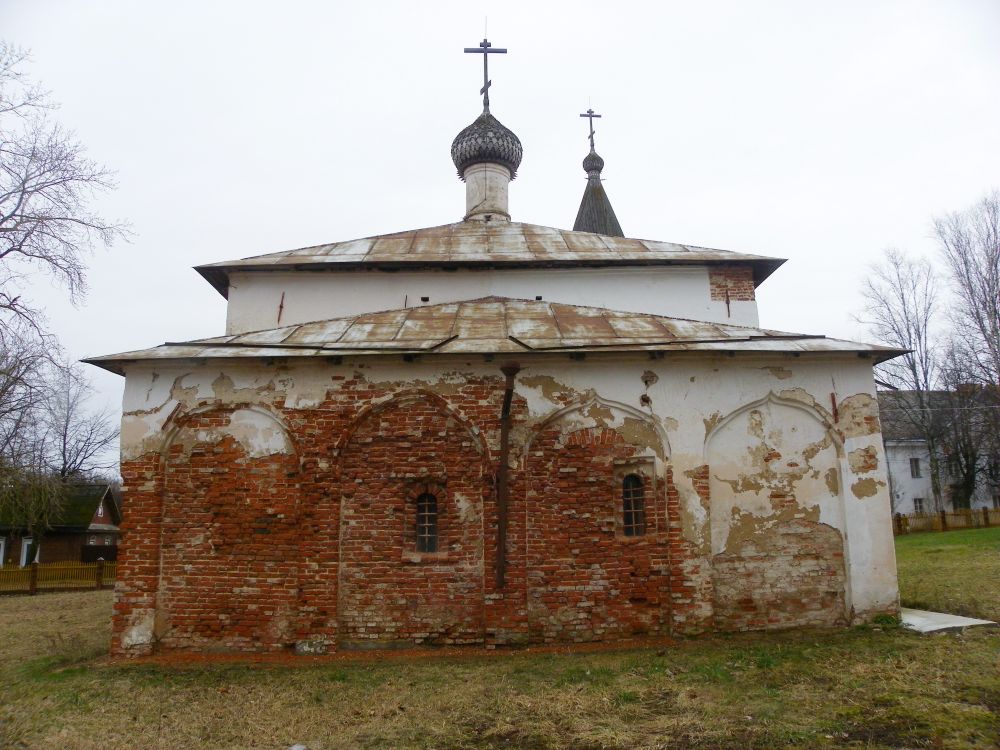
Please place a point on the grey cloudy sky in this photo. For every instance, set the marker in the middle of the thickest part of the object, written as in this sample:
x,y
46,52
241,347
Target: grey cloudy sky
x,y
815,131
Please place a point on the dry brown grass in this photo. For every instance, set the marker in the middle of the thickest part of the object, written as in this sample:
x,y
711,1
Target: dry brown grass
x,y
864,687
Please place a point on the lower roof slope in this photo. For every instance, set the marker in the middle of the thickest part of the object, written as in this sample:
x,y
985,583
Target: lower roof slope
x,y
487,326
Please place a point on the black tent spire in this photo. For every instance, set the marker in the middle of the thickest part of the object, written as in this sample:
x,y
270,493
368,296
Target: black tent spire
x,y
596,214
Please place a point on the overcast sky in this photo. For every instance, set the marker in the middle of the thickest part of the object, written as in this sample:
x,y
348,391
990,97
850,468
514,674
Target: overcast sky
x,y
814,131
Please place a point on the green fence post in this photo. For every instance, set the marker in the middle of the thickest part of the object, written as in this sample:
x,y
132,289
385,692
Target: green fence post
x,y
33,578
99,575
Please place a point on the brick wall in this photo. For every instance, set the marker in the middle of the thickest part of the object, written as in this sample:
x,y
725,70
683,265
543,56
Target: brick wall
x,y
312,546
790,576
586,579
388,590
737,281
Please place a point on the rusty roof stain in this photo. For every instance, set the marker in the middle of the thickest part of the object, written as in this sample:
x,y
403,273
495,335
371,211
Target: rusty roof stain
x,y
476,244
491,325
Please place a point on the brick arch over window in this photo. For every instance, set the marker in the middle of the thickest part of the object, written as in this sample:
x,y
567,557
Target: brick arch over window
x,y
400,400
389,591
230,495
774,477
592,414
588,579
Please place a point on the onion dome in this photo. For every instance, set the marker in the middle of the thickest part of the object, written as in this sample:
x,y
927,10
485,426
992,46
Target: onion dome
x,y
593,163
486,141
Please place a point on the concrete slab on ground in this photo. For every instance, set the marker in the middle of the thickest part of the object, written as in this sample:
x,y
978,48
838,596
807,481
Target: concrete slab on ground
x,y
938,622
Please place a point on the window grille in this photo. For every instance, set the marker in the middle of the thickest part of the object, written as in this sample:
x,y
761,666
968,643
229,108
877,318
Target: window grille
x,y
918,505
427,523
915,468
633,505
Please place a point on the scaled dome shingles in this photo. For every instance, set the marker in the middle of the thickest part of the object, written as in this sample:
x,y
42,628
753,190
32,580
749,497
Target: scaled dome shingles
x,y
486,141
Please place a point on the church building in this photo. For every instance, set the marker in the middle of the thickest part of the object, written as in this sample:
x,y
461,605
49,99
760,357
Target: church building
x,y
496,433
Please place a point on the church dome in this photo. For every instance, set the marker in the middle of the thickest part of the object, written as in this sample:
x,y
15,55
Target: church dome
x,y
486,141
592,163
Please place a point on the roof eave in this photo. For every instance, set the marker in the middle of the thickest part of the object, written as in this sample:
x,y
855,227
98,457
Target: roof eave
x,y
117,365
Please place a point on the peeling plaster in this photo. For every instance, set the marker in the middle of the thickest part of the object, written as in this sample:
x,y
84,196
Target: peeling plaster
x,y
863,460
776,468
832,479
859,415
257,433
711,422
140,629
781,373
866,488
683,395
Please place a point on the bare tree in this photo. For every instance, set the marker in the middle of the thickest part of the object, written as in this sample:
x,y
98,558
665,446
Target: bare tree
x,y
46,187
963,413
23,391
77,437
970,244
901,305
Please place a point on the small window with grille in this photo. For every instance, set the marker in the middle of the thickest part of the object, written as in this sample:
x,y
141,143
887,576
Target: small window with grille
x,y
918,505
633,505
427,523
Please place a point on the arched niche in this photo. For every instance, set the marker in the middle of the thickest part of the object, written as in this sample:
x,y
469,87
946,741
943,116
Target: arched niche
x,y
416,398
634,425
776,517
389,591
590,579
229,531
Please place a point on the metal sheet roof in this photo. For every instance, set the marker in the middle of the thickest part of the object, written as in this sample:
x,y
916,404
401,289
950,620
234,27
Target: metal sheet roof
x,y
491,325
476,244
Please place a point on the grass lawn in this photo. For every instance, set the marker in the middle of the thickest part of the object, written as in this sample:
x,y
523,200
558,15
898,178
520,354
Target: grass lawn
x,y
864,687
952,571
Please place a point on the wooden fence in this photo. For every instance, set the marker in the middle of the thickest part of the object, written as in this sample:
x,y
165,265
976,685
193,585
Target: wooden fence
x,y
63,576
945,520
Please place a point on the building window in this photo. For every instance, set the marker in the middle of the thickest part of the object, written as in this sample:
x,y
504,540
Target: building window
x,y
107,541
915,468
918,505
29,553
100,510
93,540
427,523
633,505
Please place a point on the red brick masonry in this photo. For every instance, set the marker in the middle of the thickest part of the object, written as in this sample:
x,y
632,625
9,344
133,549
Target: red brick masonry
x,y
314,548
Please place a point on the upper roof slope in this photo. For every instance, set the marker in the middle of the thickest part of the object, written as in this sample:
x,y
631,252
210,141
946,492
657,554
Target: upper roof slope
x,y
488,326
477,244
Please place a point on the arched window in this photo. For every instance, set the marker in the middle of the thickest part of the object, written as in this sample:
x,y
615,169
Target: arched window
x,y
427,523
633,505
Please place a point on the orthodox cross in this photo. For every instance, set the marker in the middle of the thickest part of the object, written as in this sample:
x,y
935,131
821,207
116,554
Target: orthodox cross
x,y
486,49
590,115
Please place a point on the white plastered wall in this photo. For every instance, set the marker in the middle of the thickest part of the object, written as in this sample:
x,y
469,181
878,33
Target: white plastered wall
x,y
674,291
688,396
